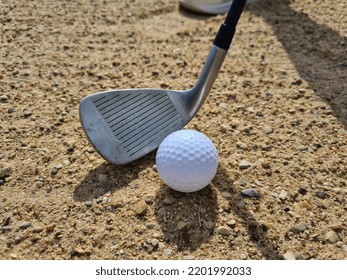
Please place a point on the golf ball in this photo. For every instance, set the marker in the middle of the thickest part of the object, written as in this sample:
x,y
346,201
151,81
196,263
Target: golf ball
x,y
187,161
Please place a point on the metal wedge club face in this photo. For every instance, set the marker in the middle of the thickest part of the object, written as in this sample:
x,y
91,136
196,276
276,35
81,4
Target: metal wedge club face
x,y
124,125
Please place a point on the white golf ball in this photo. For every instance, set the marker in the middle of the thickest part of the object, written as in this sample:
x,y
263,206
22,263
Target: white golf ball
x,y
187,161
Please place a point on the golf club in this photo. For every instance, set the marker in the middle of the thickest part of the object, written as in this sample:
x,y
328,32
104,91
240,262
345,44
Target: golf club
x,y
124,125
209,7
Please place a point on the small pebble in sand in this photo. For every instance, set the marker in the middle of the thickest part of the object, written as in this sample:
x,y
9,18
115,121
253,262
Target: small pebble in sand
x,y
321,195
283,195
25,225
6,228
3,98
302,191
268,130
265,164
244,164
167,253
332,236
226,195
154,242
140,208
151,225
224,231
37,229
251,193
241,204
242,145
88,203
189,257
289,255
231,223
161,212
299,228
181,225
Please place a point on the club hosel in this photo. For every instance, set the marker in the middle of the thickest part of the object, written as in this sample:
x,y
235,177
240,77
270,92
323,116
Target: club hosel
x,y
198,94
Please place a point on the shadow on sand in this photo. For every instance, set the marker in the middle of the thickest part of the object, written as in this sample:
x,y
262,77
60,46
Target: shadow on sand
x,y
189,220
318,52
110,178
257,231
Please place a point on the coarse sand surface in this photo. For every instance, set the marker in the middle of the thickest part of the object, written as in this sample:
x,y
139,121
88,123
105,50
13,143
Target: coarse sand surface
x,y
277,115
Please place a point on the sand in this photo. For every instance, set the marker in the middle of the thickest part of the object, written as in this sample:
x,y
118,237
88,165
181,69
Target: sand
x,y
279,103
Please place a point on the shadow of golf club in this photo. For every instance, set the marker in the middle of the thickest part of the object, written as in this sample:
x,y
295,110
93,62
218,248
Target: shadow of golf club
x,y
257,231
110,178
189,220
318,52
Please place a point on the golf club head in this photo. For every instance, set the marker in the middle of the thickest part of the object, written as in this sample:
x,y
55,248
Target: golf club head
x,y
124,125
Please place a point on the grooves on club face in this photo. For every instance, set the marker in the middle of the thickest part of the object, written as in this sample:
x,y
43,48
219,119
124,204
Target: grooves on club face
x,y
124,125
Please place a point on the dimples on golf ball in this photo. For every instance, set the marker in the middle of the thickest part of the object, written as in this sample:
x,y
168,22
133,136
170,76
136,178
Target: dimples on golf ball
x,y
187,160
